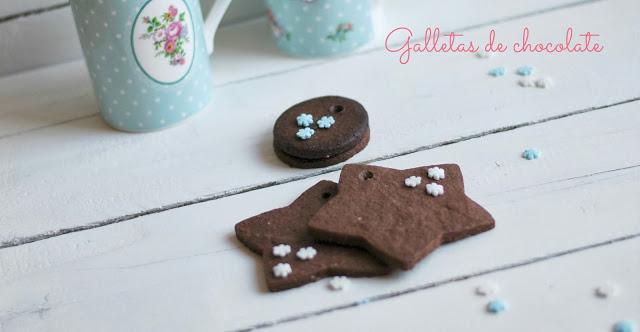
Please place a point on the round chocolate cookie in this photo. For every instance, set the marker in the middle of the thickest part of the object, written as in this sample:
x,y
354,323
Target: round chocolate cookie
x,y
323,162
338,128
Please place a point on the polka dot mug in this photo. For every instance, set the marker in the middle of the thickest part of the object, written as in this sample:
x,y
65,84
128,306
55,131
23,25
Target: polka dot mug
x,y
311,28
148,59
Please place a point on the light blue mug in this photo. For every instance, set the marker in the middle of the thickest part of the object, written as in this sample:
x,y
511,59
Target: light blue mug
x,y
148,59
311,28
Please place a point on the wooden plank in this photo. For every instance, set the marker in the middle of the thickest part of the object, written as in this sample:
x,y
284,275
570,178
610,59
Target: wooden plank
x,y
25,26
183,269
229,149
555,295
243,51
238,11
27,42
13,7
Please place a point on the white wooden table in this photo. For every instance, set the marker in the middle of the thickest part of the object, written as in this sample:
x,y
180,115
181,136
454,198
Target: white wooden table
x,y
105,231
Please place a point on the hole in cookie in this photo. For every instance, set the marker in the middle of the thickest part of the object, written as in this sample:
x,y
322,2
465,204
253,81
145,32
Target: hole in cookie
x,y
327,195
336,108
366,175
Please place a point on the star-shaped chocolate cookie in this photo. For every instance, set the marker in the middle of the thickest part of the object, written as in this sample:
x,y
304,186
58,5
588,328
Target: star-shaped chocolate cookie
x,y
400,216
290,255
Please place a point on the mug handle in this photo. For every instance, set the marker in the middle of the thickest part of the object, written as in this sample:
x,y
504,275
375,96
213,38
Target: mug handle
x,y
213,21
378,17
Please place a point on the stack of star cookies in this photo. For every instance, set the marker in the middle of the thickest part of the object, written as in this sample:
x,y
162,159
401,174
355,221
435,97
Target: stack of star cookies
x,y
375,220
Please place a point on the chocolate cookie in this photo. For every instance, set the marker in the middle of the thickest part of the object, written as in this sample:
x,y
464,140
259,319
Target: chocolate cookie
x,y
321,132
278,235
400,216
323,162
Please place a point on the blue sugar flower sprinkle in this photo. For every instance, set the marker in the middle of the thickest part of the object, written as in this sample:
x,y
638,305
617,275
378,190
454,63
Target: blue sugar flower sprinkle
x,y
305,133
531,154
362,302
497,72
496,306
525,70
624,326
326,122
304,120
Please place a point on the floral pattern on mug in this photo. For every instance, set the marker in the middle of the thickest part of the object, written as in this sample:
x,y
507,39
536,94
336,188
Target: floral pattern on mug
x,y
169,33
277,30
341,32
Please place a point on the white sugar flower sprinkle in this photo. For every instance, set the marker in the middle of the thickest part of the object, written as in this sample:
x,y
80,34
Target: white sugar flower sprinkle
x,y
435,189
488,289
436,173
608,289
544,83
412,181
483,54
306,253
339,283
282,270
526,82
281,250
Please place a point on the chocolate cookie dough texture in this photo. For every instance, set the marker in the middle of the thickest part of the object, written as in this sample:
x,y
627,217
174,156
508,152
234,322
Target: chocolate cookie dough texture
x,y
388,213
290,256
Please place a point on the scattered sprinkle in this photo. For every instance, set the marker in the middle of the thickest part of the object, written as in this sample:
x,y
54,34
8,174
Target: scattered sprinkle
x,y
436,173
624,326
339,283
435,189
363,301
544,83
531,154
306,253
608,289
304,120
483,54
282,270
497,72
526,82
412,181
525,70
496,306
305,133
326,122
487,289
281,250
